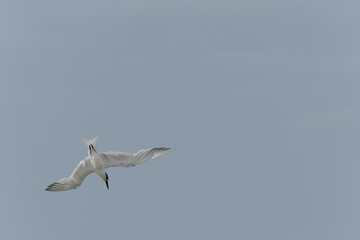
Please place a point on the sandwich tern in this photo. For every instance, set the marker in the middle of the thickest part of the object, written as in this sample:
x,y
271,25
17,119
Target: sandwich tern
x,y
99,161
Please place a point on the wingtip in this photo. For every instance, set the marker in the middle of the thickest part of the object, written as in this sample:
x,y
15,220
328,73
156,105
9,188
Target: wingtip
x,y
48,188
164,148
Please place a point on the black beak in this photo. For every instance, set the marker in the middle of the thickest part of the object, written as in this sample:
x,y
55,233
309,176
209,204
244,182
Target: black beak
x,y
107,178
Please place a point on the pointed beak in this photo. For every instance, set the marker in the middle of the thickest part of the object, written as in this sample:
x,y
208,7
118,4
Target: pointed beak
x,y
106,181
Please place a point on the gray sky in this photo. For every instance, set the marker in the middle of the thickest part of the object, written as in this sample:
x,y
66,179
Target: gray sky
x,y
259,101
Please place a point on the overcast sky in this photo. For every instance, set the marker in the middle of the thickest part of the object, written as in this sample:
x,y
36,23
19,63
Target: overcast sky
x,y
259,101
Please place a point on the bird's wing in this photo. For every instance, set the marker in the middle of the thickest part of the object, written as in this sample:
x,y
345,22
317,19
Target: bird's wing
x,y
76,178
120,159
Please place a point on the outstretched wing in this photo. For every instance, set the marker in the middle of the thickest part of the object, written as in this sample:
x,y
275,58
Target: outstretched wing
x,y
120,159
76,178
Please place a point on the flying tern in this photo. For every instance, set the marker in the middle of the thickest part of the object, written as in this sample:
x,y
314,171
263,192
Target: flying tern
x,y
99,161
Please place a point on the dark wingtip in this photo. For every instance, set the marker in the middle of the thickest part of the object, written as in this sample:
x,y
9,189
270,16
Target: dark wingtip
x,y
48,187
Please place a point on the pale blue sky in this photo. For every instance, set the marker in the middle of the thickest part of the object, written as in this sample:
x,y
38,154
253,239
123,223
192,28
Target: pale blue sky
x,y
259,101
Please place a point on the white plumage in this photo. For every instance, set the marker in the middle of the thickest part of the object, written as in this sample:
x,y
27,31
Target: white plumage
x,y
98,162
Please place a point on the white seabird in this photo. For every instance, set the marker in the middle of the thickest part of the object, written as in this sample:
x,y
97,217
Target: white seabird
x,y
99,161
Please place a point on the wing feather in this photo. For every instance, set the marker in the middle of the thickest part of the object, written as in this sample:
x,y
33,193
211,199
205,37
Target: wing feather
x,y
120,159
83,169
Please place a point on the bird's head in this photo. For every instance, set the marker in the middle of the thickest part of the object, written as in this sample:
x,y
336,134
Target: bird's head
x,y
91,144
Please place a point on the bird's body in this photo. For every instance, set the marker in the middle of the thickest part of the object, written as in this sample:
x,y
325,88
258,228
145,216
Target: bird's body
x,y
99,161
